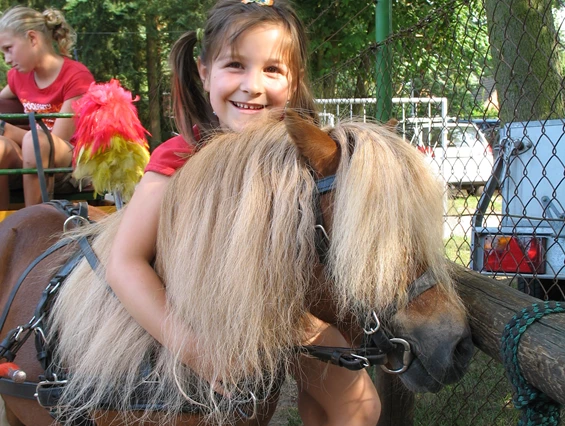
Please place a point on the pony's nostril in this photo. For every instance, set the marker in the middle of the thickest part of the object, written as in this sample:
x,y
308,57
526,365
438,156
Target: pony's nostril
x,y
464,352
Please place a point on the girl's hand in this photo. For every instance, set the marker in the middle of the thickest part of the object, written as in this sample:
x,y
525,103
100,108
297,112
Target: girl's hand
x,y
191,357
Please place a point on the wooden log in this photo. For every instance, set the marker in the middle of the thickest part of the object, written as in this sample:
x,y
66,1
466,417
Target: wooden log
x,y
491,305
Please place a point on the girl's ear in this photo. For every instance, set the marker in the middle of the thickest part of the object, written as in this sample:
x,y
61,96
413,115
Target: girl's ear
x,y
33,37
294,82
203,71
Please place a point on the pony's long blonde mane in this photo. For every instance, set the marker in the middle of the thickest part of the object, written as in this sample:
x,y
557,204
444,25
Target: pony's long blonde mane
x,y
236,254
388,220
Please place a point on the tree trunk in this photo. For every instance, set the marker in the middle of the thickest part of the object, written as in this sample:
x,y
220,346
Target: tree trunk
x,y
523,44
153,73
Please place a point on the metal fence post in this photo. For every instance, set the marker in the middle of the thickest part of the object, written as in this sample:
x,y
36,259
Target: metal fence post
x,y
383,30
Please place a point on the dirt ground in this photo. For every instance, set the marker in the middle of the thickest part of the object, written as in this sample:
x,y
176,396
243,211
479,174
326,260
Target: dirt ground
x,y
286,408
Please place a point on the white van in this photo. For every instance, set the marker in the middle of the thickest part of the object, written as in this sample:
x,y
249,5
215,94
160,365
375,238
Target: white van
x,y
458,151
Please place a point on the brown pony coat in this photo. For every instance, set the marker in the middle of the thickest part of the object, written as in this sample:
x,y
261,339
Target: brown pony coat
x,y
236,254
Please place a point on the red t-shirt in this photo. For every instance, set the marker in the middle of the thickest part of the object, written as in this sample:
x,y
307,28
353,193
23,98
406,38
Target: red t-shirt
x,y
74,79
168,157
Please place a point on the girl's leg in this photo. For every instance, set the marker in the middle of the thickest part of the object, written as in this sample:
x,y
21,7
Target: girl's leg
x,y
10,158
63,157
330,395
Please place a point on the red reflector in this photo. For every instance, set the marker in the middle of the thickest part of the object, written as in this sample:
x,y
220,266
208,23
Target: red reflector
x,y
514,254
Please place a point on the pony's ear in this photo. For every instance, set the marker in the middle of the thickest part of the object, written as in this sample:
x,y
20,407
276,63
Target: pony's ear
x,y
320,151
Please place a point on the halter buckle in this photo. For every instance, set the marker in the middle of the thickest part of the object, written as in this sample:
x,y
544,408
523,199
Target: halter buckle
x,y
364,360
77,219
407,356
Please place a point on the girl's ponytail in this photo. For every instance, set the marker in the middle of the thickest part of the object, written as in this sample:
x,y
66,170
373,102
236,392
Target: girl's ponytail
x,y
61,31
51,23
190,102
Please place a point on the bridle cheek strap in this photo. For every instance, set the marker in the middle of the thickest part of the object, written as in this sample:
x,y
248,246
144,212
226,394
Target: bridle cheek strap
x,y
377,342
323,186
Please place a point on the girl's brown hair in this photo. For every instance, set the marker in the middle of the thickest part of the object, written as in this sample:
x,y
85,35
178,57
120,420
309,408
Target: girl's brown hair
x,y
227,20
51,23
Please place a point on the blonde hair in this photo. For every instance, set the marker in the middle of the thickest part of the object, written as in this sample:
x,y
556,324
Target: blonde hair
x,y
51,23
236,253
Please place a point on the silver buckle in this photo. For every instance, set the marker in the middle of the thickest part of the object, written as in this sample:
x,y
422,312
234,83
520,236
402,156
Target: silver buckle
x,y
407,357
46,384
374,329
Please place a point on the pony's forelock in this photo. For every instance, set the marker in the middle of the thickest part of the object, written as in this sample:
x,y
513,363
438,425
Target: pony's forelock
x,y
387,220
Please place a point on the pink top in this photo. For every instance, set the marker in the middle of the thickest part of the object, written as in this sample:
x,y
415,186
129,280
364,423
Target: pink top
x,y
74,79
168,157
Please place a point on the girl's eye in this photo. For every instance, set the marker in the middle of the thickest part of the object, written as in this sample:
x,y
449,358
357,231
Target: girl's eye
x,y
234,65
272,69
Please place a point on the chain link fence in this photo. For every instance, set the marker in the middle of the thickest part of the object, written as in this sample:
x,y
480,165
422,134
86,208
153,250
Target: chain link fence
x,y
478,88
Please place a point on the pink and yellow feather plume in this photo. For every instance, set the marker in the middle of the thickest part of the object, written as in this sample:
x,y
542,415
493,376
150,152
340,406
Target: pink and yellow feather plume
x,y
110,144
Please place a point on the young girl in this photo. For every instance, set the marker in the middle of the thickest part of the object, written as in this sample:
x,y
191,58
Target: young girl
x,y
252,60
45,81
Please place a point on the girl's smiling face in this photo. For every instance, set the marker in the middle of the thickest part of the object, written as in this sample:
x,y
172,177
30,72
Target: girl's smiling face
x,y
249,78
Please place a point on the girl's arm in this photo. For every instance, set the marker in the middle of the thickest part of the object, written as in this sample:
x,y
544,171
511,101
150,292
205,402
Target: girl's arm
x,y
129,271
65,127
6,93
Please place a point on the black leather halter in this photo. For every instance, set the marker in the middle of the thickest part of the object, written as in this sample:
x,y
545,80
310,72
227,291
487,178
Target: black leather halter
x,y
378,342
323,186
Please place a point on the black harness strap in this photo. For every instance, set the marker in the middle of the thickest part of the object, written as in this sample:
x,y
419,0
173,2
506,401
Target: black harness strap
x,y
69,209
24,390
377,342
326,184
16,338
352,359
43,306
323,186
24,275
88,253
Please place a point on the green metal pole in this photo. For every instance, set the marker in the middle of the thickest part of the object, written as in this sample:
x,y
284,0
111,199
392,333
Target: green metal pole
x,y
383,30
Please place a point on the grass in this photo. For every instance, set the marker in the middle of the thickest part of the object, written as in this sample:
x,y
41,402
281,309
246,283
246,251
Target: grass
x,y
482,397
467,206
458,243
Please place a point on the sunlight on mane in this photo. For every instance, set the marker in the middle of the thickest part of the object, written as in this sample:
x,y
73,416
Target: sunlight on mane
x,y
236,253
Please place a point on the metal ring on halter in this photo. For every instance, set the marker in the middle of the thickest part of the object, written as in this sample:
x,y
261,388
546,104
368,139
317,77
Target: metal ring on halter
x,y
374,329
39,331
243,414
77,217
366,363
407,357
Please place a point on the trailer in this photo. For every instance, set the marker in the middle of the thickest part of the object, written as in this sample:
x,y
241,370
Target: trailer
x,y
528,242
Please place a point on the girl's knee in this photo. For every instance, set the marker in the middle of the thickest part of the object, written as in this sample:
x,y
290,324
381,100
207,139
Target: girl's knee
x,y
364,412
370,411
9,157
28,147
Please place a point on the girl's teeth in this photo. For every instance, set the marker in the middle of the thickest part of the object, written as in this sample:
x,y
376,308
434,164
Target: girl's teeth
x,y
247,106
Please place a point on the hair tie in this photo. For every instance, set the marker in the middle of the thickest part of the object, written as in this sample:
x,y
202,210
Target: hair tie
x,y
259,2
199,34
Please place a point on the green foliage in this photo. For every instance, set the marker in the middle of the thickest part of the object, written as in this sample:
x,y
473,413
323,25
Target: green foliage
x,y
439,48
